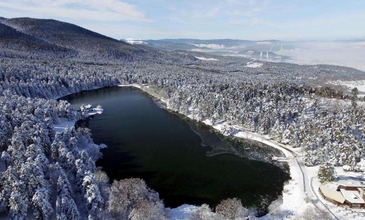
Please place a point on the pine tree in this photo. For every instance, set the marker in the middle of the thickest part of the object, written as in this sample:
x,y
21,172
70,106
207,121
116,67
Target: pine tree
x,y
66,207
326,173
94,200
18,203
41,203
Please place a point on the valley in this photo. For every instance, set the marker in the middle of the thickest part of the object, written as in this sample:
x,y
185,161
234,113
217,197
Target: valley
x,y
291,105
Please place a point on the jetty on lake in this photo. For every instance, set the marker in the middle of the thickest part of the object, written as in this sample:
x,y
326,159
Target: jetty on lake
x,y
89,110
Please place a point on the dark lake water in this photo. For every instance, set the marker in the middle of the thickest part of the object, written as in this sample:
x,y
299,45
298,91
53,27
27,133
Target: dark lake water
x,y
170,152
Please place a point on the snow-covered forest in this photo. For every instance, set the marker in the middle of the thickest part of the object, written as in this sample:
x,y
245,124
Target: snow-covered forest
x,y
326,123
52,174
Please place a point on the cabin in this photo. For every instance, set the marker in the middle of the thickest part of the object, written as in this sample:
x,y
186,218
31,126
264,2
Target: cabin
x,y
332,195
353,192
350,185
89,110
353,198
350,193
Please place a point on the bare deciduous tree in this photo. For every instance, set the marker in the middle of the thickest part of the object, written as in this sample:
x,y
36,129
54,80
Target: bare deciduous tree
x,y
231,209
132,199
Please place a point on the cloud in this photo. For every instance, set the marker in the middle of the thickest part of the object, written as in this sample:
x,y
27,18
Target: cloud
x,y
251,19
106,10
246,8
195,10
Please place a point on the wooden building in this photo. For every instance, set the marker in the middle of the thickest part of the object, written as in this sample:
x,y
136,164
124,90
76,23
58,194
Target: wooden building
x,y
332,195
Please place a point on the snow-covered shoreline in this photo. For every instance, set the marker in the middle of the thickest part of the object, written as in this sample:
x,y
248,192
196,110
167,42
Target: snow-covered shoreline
x,y
293,199
145,89
300,196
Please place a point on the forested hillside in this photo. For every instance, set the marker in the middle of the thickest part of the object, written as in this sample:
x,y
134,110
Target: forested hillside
x,y
51,173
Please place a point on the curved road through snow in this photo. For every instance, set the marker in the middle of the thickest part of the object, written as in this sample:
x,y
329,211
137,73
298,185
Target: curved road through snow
x,y
308,188
289,153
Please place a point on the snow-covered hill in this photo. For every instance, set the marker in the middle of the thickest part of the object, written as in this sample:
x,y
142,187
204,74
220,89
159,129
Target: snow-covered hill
x,y
43,59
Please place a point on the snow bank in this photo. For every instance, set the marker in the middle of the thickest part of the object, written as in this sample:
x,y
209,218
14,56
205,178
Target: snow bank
x,y
360,85
293,202
254,64
135,41
131,85
95,111
182,212
263,42
207,59
210,46
60,127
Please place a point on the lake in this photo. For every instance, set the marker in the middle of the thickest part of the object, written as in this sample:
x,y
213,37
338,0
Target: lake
x,y
174,154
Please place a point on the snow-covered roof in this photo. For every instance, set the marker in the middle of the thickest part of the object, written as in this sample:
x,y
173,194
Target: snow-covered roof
x,y
332,194
352,196
355,184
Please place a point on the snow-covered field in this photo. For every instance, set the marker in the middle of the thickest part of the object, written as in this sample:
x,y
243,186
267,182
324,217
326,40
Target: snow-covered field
x,y
206,59
182,212
360,85
210,46
254,64
63,125
135,41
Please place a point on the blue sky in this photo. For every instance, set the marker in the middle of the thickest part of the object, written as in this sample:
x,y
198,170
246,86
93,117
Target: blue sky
x,y
203,19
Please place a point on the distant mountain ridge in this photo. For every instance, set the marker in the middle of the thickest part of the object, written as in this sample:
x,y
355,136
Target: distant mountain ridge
x,y
52,38
263,50
198,43
16,43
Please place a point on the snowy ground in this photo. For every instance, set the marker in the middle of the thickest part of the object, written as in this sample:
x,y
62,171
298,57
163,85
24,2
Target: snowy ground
x,y
341,212
182,212
95,111
60,127
131,85
206,59
360,85
254,64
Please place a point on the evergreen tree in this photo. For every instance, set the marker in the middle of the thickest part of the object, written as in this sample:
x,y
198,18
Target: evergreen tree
x,y
326,173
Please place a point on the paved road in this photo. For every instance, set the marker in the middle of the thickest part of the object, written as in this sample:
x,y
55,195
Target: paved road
x,y
311,192
308,187
307,184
